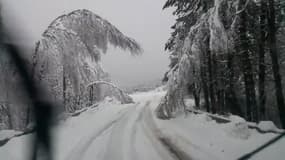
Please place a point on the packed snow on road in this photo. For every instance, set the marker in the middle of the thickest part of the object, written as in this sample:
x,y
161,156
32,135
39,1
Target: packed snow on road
x,y
115,131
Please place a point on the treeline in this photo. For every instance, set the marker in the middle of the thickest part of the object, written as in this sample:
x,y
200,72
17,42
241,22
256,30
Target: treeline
x,y
236,59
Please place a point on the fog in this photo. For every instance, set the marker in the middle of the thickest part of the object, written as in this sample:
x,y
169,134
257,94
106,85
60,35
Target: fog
x,y
143,20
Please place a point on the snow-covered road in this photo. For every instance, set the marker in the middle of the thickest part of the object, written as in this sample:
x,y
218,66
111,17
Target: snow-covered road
x,y
112,131
128,137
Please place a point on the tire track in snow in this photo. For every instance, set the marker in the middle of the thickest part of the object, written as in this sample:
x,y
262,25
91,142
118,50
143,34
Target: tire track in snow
x,y
133,151
134,128
157,147
121,143
80,149
156,135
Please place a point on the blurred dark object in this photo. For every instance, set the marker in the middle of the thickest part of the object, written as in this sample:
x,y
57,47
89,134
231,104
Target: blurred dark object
x,y
42,109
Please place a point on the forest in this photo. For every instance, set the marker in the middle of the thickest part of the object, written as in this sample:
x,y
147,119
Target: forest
x,y
229,55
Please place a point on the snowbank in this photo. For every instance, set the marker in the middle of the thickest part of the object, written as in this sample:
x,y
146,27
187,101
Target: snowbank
x,y
70,134
222,141
7,134
267,126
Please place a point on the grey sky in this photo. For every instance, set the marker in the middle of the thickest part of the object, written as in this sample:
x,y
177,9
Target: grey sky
x,y
142,20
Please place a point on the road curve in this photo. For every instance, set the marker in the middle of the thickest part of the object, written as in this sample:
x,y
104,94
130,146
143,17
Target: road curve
x,y
131,136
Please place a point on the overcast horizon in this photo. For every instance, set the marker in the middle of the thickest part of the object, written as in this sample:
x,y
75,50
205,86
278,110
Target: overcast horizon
x,y
145,21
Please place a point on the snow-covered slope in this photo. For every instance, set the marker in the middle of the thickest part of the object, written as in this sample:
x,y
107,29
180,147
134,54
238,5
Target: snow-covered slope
x,y
131,131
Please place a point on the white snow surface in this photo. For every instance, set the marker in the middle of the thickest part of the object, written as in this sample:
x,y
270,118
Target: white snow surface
x,y
6,134
113,131
267,126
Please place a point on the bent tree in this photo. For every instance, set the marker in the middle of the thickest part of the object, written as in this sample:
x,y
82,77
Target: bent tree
x,y
234,45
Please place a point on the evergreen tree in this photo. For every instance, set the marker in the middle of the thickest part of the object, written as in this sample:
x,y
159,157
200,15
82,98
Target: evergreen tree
x,y
272,30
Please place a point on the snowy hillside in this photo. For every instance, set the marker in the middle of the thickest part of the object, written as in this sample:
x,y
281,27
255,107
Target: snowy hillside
x,y
131,131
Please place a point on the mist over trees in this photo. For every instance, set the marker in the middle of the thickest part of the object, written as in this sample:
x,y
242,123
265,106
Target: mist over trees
x,y
228,55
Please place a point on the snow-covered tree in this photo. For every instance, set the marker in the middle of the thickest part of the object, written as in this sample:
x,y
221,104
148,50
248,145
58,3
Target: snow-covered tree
x,y
67,58
66,63
221,46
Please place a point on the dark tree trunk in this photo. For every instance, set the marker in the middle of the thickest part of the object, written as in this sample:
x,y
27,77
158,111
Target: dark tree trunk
x,y
211,80
195,87
91,94
204,77
205,86
211,86
197,100
220,82
249,83
216,89
231,99
64,91
9,115
196,95
262,66
28,117
275,64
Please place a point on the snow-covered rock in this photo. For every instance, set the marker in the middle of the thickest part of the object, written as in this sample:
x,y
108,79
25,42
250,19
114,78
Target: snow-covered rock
x,y
267,126
238,128
204,117
237,119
